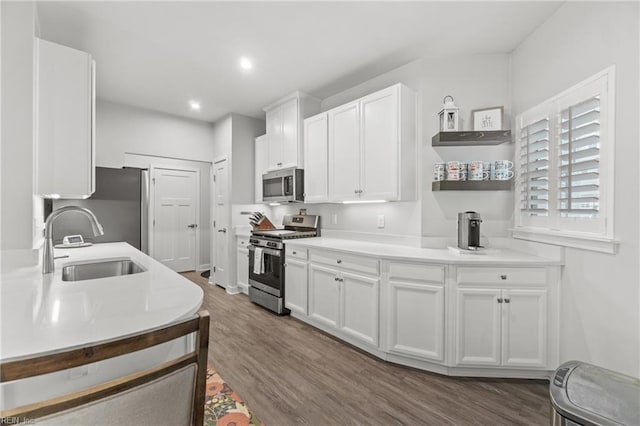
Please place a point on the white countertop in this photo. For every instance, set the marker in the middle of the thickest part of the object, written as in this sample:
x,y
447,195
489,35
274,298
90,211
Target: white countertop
x,y
501,256
41,313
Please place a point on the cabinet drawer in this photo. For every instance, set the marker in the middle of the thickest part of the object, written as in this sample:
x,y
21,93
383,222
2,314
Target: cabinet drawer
x,y
296,253
416,272
502,276
345,261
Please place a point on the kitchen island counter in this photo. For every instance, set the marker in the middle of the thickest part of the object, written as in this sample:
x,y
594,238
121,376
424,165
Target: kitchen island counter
x,y
42,313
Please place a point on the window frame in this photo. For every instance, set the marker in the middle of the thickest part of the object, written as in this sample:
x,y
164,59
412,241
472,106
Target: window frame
x,y
590,234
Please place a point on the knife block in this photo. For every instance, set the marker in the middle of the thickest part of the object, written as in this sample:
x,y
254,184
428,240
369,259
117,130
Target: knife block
x,y
264,224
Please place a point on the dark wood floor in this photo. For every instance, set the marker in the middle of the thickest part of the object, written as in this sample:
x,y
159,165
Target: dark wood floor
x,y
290,374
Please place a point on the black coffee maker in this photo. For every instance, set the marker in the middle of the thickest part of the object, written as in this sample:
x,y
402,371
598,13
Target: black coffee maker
x,y
469,230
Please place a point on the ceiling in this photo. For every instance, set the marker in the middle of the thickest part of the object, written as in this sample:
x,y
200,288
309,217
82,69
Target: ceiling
x,y
160,55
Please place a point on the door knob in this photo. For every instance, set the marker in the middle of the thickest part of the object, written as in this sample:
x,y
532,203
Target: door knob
x,y
192,226
223,230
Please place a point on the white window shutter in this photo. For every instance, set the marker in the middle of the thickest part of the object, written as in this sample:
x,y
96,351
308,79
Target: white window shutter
x,y
534,168
578,193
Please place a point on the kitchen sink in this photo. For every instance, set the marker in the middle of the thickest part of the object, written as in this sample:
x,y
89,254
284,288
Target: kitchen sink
x,y
101,269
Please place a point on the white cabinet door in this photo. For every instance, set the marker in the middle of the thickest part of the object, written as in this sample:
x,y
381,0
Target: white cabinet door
x,y
274,138
316,167
360,299
291,154
261,159
380,134
65,121
524,330
242,268
344,152
416,320
295,294
478,326
324,295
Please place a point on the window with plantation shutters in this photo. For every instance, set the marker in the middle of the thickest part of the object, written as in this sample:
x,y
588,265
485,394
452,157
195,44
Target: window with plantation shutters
x,y
564,165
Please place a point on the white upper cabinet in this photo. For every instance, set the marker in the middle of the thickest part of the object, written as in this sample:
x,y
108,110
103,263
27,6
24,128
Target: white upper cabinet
x,y
372,147
285,131
344,152
261,159
65,88
316,169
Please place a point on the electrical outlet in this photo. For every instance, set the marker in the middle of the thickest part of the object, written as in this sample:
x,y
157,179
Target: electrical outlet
x,y
334,219
380,221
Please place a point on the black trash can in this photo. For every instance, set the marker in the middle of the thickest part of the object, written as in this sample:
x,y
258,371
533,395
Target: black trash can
x,y
586,395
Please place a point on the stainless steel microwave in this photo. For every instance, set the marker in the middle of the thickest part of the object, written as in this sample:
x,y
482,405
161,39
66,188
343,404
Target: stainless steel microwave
x,y
283,186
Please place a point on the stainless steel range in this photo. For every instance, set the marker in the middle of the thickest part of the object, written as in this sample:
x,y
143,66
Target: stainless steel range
x,y
267,259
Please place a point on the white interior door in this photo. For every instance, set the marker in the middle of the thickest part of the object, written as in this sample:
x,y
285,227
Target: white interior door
x,y
220,271
174,225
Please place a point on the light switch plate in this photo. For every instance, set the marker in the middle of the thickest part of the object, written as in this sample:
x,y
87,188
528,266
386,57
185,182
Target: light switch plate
x,y
380,221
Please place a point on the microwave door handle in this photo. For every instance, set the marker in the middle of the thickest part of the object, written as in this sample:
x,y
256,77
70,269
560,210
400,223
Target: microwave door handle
x,y
283,186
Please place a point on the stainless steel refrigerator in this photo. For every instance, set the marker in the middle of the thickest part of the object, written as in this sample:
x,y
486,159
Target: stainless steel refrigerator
x,y
121,204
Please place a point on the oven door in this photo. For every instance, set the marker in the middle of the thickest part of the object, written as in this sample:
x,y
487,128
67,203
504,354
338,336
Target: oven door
x,y
272,279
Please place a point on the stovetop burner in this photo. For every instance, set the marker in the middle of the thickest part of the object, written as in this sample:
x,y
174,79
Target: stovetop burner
x,y
295,226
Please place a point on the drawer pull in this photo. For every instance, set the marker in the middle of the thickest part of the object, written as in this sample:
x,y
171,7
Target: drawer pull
x,y
507,300
338,261
340,279
295,252
336,279
503,277
499,299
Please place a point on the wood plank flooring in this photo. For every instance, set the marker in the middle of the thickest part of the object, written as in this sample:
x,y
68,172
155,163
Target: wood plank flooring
x,y
290,373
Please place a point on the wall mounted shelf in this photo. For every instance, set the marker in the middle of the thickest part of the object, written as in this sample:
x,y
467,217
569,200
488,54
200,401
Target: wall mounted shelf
x,y
471,185
470,138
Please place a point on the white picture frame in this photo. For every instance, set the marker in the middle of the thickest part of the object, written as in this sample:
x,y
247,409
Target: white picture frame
x,y
487,119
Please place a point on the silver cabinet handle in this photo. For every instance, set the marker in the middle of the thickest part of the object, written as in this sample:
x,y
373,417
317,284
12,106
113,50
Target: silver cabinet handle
x,y
223,230
507,300
192,225
503,277
338,261
499,299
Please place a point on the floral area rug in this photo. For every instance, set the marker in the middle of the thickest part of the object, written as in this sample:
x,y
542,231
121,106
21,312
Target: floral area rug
x,y
223,407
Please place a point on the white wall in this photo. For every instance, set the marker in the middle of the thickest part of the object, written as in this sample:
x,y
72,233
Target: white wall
x,y
600,320
21,219
474,82
244,132
123,128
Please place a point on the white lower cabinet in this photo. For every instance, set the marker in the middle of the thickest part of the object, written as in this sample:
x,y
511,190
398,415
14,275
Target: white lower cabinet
x,y
359,312
324,295
242,264
470,320
506,327
295,278
346,296
415,320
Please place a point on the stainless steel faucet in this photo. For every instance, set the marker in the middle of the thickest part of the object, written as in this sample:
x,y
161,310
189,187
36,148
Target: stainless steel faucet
x,y
48,265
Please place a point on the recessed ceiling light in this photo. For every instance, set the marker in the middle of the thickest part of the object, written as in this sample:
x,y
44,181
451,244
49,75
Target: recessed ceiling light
x,y
245,63
194,105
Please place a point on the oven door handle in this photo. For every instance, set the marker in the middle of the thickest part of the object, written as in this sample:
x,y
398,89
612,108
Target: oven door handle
x,y
268,251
